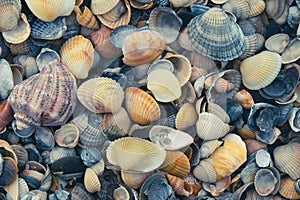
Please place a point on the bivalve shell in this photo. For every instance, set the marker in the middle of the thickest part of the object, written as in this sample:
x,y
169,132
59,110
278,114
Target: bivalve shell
x,y
290,54
278,42
10,11
67,135
287,188
86,18
186,117
264,182
91,181
102,6
134,179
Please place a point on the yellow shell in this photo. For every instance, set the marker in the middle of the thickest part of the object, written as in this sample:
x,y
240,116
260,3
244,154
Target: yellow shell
x,y
287,188
101,95
86,18
49,10
77,53
91,181
260,70
208,147
141,107
186,117
130,152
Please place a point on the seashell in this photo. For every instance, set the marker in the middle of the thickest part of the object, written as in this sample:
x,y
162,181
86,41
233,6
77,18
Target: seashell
x,y
181,3
18,34
59,152
264,182
165,90
208,148
166,22
44,138
262,158
253,43
91,181
136,47
91,94
79,192
278,42
30,66
49,10
217,188
67,136
33,153
244,98
176,163
119,33
246,26
160,64
215,19
141,5
7,82
40,108
188,94
180,186
73,27
294,120
210,127
22,187
98,167
183,40
120,191
3,48
223,162
249,172
77,54
169,138
21,48
186,117
256,7
9,172
260,70
289,55
102,6
10,14
276,10
254,145
136,149
90,156
119,15
139,131
287,188
150,110
21,154
6,114
45,57
134,179
223,86
241,9
17,76
293,18
86,18
286,159
7,150
63,194
203,62
49,30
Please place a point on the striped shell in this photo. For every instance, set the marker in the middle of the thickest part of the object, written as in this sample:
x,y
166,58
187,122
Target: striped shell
x,y
186,117
91,181
86,18
287,188
102,6
239,8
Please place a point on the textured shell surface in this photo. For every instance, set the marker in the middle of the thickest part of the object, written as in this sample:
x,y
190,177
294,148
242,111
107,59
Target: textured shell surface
x,y
186,117
224,41
91,181
102,6
287,188
10,14
48,98
7,82
67,135
48,30
239,8
86,18
134,179
119,33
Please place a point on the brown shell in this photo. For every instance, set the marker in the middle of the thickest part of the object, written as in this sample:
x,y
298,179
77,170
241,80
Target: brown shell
x,y
180,186
86,18
186,117
287,188
244,98
6,114
134,179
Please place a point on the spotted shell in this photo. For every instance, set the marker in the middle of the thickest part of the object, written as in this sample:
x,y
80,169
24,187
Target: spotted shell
x,y
10,11
244,98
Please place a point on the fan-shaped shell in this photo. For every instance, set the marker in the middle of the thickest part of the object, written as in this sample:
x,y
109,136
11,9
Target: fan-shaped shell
x,y
129,153
77,53
260,70
67,135
142,47
10,11
256,7
186,117
240,9
287,188
278,42
91,181
49,10
86,18
101,95
224,41
208,147
141,107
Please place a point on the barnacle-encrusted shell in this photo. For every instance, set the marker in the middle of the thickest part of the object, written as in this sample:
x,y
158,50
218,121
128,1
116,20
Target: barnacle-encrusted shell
x,y
101,95
130,152
10,11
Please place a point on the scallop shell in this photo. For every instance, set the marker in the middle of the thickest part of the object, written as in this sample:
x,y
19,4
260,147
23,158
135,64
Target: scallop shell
x,y
169,138
135,149
77,53
210,127
86,18
134,179
260,70
10,13
287,188
67,135
180,186
164,90
6,114
240,9
264,182
208,148
142,47
290,54
46,104
227,36
186,117
278,42
49,10
141,107
256,7
102,6
91,181
286,158
244,98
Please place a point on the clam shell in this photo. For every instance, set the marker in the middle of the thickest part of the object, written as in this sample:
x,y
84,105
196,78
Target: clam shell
x,y
141,5
169,138
41,98
260,70
183,40
7,150
44,138
45,57
135,149
21,48
277,43
210,127
20,33
293,18
286,158
102,6
208,147
77,53
262,158
60,152
79,192
101,95
227,36
49,10
9,172
86,18
256,7
10,14
21,154
244,98
6,114
289,55
253,43
149,110
164,90
264,182
200,61
73,27
134,179
142,47
240,9
91,181
22,187
287,188
160,64
67,135
180,186
186,117
7,82
205,172
217,188
49,30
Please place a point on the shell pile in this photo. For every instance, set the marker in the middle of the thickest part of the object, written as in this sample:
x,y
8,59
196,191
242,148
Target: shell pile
x,y
149,99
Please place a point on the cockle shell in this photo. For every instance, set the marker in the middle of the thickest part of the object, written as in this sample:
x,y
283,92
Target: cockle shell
x,y
135,149
278,42
141,107
77,53
260,70
86,18
294,120
244,98
7,82
186,117
36,102
119,33
49,10
208,148
91,181
223,162
216,189
142,5
287,188
46,56
44,138
9,172
48,30
21,48
10,11
182,3
134,179
227,36
256,7
142,47
253,43
264,182
67,135
101,95
102,6
21,154
240,9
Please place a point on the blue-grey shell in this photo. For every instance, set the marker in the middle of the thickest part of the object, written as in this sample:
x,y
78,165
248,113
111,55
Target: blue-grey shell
x,y
49,30
6,79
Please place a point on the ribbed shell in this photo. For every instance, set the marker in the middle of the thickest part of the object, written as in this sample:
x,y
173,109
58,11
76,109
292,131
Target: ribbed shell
x,y
67,136
260,70
287,188
256,7
216,35
77,53
10,11
102,6
86,18
49,10
253,43
48,30
130,152
48,98
237,7
186,117
91,181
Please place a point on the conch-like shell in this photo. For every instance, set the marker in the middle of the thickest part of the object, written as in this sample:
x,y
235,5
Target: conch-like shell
x,y
86,18
91,181
130,152
10,11
101,95
142,47
49,10
48,98
77,53
224,161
